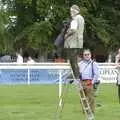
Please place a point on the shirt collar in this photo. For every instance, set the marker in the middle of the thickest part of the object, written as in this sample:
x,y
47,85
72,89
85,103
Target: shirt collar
x,y
87,61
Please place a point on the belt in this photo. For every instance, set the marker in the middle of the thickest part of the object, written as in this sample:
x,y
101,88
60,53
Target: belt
x,y
86,80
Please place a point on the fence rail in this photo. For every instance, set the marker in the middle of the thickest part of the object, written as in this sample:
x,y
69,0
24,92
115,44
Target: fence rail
x,y
13,73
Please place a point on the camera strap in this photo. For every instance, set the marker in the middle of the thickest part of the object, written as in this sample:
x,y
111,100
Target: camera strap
x,y
86,67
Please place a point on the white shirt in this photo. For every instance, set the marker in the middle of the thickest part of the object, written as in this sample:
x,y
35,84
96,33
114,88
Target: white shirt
x,y
73,25
31,61
19,59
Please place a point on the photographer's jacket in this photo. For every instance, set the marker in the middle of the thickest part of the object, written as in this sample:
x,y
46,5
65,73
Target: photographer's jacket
x,y
75,39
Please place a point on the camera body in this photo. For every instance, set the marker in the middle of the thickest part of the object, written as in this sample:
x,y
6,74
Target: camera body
x,y
66,23
95,84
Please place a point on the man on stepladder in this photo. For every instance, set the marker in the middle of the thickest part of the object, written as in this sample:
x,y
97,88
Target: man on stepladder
x,y
73,39
73,43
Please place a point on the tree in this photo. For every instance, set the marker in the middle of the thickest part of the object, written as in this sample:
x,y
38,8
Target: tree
x,y
6,43
36,23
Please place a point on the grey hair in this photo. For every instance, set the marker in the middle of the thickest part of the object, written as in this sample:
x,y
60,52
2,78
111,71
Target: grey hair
x,y
86,50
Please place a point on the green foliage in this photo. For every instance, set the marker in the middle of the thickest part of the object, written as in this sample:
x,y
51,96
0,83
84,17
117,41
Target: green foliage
x,y
35,36
5,38
38,22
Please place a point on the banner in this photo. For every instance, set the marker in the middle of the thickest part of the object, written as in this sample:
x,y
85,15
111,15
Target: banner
x,y
49,73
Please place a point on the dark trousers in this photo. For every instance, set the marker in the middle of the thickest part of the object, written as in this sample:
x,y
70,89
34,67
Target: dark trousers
x,y
72,54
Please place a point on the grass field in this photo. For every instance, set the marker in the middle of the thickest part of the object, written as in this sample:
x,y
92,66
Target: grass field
x,y
38,102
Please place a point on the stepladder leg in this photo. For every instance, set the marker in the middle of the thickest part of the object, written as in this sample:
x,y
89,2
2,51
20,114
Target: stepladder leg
x,y
80,88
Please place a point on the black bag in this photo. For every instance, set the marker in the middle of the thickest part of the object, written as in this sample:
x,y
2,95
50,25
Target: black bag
x,y
59,40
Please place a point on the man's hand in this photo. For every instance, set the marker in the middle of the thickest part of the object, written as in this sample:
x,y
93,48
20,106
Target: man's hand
x,y
69,33
71,81
118,65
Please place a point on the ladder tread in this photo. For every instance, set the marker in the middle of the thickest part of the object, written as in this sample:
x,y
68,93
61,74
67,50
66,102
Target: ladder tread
x,y
91,118
87,108
84,98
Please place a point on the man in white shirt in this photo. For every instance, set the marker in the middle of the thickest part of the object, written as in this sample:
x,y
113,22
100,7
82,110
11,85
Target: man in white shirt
x,y
30,60
19,58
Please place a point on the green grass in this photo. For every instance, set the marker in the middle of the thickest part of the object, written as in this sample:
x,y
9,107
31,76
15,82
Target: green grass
x,y
38,102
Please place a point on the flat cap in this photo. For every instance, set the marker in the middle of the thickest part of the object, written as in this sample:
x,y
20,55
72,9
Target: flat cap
x,y
75,7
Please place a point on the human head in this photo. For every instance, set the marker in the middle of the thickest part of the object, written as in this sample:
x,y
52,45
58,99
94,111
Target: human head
x,y
119,51
29,58
17,54
87,54
74,10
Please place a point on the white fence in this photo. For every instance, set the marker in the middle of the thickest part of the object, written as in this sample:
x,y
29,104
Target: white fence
x,y
107,71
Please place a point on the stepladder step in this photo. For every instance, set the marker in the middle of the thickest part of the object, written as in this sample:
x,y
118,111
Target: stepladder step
x,y
83,99
90,118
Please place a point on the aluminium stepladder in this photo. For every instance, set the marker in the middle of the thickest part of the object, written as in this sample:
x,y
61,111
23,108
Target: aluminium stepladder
x,y
83,100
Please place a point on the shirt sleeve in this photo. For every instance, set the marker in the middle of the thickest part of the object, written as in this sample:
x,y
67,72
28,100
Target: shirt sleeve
x,y
73,25
116,59
95,72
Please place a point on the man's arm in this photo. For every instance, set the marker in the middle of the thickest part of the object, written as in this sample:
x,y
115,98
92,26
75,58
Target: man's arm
x,y
69,33
95,72
117,61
